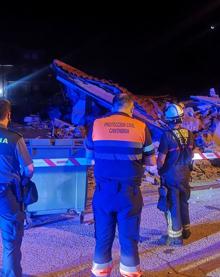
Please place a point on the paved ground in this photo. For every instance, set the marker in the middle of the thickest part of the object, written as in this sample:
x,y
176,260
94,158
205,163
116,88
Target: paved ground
x,y
64,248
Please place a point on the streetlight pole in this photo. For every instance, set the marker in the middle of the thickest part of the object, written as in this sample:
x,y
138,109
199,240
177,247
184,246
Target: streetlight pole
x,y
3,66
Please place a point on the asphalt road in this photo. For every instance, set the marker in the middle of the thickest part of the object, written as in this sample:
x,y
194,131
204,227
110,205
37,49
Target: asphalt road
x,y
64,247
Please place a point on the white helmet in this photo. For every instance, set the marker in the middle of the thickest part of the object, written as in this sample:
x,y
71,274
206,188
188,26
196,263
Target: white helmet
x,y
173,113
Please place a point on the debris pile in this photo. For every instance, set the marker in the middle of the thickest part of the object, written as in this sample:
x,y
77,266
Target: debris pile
x,y
201,116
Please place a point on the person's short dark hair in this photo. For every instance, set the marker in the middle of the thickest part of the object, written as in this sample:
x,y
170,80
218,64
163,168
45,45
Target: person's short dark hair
x,y
121,100
5,107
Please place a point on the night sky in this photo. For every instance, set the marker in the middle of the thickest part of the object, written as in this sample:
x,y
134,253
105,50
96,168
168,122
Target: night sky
x,y
169,47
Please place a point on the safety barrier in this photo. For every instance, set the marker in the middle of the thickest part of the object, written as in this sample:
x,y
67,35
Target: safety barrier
x,y
88,162
206,156
62,162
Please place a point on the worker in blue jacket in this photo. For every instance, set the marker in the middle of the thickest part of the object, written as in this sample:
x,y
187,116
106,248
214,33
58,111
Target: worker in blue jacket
x,y
174,162
122,147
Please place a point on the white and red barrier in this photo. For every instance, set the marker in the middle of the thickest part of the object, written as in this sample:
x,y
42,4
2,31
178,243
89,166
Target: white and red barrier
x,y
87,162
206,156
62,162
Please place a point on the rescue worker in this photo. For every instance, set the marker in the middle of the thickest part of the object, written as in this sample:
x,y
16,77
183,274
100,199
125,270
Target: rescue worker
x,y
121,146
174,163
13,155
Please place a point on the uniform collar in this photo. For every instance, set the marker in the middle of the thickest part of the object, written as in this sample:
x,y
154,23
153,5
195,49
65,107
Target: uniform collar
x,y
121,113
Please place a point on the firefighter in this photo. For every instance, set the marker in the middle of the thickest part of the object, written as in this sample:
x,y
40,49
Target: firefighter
x,y
174,163
13,156
121,146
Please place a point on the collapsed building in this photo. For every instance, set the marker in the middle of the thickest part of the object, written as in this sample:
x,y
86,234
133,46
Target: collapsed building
x,y
57,146
201,113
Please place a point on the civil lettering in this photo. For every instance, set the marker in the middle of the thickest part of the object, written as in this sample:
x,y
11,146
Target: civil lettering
x,y
130,125
116,131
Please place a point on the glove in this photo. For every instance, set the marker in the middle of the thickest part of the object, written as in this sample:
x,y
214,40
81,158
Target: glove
x,y
24,181
162,204
152,169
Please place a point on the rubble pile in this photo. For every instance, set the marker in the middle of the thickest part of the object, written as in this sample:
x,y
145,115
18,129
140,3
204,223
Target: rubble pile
x,y
201,112
201,116
64,130
205,170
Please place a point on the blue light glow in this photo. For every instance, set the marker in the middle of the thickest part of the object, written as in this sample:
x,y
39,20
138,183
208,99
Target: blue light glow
x,y
29,77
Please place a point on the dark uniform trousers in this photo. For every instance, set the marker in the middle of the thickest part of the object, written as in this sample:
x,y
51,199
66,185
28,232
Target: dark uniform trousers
x,y
117,202
177,182
12,229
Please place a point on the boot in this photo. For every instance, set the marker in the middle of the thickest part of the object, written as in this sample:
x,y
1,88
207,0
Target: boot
x,y
169,241
186,234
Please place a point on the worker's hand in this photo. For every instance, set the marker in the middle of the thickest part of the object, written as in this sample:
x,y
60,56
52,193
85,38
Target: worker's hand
x,y
154,176
24,181
152,170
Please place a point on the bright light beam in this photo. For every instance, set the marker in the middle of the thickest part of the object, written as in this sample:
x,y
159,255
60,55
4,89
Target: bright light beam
x,y
27,78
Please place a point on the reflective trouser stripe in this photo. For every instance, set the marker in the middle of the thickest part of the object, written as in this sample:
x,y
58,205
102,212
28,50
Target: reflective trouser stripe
x,y
130,274
130,271
174,234
186,227
102,269
171,233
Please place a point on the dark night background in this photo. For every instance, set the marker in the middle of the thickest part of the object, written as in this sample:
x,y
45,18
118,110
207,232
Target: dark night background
x,y
165,47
